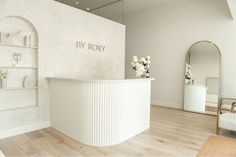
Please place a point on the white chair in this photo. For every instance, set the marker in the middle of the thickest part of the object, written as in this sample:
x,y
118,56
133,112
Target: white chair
x,y
226,115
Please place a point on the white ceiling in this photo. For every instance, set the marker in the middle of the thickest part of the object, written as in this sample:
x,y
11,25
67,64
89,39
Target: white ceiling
x,y
84,4
129,5
135,5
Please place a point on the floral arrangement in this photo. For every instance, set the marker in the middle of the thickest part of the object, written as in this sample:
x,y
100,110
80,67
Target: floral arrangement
x,y
188,74
3,74
141,66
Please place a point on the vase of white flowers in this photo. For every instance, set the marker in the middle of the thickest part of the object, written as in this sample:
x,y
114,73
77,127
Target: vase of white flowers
x,y
3,79
141,66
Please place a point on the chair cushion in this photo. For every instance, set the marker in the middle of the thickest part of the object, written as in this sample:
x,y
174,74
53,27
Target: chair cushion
x,y
228,121
225,106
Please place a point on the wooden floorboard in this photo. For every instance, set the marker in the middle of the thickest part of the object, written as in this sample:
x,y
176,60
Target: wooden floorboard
x,y
172,133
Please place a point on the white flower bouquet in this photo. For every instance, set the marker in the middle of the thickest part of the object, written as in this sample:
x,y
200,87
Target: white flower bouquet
x,y
141,66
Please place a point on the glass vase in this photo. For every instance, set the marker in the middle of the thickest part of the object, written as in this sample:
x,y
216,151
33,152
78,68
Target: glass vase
x,y
139,74
143,76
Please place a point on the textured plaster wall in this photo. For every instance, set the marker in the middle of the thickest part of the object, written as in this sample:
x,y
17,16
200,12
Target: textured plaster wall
x,y
59,27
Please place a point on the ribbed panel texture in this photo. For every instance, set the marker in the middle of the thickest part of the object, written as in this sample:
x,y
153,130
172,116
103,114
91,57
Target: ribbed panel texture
x,y
100,113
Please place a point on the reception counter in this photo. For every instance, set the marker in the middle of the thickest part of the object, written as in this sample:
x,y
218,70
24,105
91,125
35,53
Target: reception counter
x,y
100,112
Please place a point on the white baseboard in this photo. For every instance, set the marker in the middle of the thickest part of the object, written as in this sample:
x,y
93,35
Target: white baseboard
x,y
24,129
164,104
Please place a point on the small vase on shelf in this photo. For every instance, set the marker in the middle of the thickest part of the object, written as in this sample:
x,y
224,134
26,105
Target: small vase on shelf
x,y
143,76
3,83
3,78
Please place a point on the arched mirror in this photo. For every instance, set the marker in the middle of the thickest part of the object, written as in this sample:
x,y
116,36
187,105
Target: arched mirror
x,y
202,78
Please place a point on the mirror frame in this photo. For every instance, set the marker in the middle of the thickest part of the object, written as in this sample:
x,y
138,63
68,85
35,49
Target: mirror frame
x,y
220,56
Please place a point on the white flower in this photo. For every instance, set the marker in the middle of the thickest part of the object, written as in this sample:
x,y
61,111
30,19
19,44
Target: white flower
x,y
135,58
143,60
136,64
141,66
140,69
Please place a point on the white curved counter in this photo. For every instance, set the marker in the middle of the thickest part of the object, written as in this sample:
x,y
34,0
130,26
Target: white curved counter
x,y
100,112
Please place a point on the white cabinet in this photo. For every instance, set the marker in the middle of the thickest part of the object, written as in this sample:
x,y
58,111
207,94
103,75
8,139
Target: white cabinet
x,y
195,98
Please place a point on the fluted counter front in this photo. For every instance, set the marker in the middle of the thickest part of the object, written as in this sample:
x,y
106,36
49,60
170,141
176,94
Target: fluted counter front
x,y
100,112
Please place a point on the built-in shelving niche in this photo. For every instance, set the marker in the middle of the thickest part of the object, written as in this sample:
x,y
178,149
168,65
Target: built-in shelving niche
x,y
18,41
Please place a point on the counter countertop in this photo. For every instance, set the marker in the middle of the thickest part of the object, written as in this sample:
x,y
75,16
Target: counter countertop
x,y
112,80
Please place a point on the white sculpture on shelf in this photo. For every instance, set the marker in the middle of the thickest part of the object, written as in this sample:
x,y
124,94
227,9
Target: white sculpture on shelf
x,y
26,35
29,82
19,37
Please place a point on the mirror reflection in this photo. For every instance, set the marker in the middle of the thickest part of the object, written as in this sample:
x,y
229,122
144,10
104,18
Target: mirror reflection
x,y
202,78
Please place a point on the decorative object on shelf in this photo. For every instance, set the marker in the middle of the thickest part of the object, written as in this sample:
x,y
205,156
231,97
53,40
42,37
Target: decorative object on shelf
x,y
28,82
6,37
26,35
17,57
141,66
3,78
147,74
19,37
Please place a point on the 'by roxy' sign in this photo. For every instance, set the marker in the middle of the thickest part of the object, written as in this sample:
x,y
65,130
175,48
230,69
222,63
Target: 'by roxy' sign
x,y
90,46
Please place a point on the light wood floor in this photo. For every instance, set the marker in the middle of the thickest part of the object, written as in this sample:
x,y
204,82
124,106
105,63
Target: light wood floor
x,y
172,133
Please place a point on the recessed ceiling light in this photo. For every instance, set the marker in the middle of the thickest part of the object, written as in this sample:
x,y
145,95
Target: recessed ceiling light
x,y
87,9
77,2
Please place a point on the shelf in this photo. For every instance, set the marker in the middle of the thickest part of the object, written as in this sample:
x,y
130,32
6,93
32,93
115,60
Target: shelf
x,y
6,67
17,88
19,59
20,46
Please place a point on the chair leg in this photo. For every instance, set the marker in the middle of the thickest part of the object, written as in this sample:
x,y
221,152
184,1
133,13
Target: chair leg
x,y
217,130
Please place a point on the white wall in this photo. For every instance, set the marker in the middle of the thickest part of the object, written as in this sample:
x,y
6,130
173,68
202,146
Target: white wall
x,y
59,26
167,31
